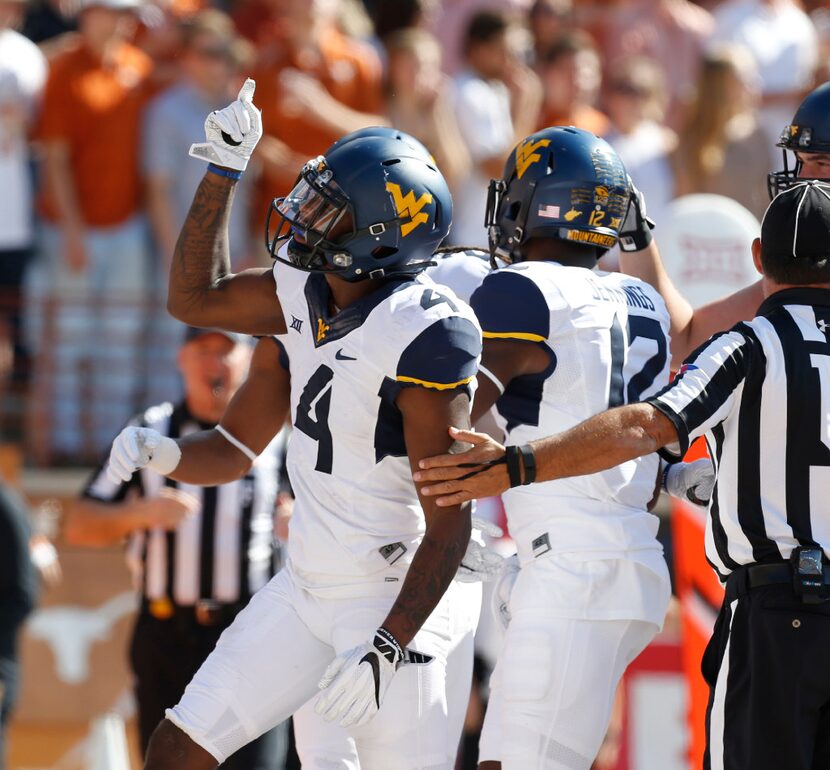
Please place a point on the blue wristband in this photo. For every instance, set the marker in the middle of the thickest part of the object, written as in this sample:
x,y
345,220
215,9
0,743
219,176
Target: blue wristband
x,y
226,172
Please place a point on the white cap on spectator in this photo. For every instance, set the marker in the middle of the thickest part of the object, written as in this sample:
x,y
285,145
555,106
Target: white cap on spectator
x,y
115,5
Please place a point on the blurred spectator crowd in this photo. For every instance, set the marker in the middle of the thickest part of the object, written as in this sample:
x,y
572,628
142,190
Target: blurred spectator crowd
x,y
101,99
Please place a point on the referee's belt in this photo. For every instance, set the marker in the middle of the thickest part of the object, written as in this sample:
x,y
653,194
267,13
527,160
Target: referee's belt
x,y
758,575
205,612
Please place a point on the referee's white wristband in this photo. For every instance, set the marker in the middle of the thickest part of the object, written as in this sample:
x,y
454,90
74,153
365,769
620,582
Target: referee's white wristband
x,y
492,377
166,456
231,439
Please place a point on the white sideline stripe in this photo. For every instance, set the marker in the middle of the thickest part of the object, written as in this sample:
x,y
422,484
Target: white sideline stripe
x,y
716,721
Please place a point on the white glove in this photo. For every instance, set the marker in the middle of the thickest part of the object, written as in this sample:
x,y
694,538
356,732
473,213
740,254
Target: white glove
x,y
136,448
480,564
690,481
500,600
232,133
355,682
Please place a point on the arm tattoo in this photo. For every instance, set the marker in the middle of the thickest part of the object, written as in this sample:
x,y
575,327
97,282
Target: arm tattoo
x,y
433,567
201,256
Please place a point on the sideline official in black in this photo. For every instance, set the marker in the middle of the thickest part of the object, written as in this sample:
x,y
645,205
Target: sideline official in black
x,y
198,553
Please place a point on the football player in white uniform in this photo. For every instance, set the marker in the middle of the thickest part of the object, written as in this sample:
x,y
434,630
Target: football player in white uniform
x,y
380,365
322,744
562,342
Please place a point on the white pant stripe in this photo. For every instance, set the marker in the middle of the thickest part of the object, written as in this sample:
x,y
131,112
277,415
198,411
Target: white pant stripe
x,y
716,719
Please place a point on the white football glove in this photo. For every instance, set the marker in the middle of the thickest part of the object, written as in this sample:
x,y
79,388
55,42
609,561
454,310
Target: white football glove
x,y
136,448
690,481
355,682
480,564
500,599
232,133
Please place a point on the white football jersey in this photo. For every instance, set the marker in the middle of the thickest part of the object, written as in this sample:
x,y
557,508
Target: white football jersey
x,y
608,339
357,518
461,271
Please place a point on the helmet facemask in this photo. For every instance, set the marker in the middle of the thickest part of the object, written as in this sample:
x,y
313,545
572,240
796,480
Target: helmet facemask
x,y
314,218
778,181
495,194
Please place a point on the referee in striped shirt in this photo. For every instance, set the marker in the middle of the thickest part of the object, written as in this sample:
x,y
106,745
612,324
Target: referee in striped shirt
x,y
199,553
760,394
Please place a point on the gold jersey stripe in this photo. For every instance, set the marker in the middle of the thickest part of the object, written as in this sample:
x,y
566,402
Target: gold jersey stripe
x,y
514,336
436,385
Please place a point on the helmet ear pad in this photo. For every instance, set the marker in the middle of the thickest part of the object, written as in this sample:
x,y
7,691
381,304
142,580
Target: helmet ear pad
x,y
561,183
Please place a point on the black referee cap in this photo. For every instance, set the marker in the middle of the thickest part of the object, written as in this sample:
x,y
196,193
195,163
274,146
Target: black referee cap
x,y
797,224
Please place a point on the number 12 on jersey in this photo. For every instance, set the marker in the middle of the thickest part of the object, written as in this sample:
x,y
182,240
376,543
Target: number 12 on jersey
x,y
638,328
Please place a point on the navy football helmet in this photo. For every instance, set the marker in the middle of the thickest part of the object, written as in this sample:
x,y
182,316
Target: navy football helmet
x,y
560,182
808,132
386,132
370,207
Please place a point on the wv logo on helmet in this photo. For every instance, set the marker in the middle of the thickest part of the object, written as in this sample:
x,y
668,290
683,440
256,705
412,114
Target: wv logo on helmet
x,y
407,206
526,155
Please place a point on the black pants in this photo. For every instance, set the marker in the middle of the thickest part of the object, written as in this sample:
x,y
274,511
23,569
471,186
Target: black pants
x,y
165,654
768,670
8,693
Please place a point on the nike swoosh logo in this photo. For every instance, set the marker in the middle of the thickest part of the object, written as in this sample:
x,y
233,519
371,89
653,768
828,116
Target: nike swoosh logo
x,y
372,659
226,138
340,356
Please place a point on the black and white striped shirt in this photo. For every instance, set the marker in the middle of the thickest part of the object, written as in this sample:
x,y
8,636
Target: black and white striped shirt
x,y
760,393
226,551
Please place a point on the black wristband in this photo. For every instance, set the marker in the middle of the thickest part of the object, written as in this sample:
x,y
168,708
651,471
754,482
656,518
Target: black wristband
x,y
514,465
529,461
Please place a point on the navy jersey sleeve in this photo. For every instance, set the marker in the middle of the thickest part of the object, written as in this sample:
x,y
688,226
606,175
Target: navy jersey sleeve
x,y
509,305
443,356
283,353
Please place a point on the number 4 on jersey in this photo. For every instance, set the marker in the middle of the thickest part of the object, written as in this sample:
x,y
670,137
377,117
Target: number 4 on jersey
x,y
316,399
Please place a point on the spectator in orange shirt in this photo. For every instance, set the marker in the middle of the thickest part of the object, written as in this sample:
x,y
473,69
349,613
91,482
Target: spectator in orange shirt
x,y
571,75
314,85
94,259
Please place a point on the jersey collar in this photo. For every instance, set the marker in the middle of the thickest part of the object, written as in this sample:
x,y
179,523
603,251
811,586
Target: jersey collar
x,y
327,328
797,296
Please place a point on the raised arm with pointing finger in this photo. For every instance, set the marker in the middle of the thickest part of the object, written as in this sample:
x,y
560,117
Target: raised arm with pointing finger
x,y
203,290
